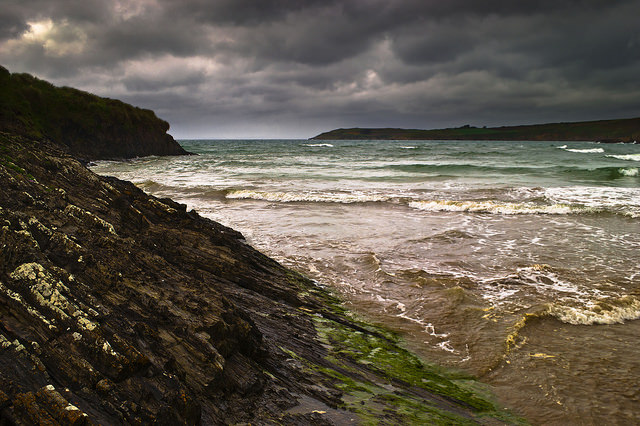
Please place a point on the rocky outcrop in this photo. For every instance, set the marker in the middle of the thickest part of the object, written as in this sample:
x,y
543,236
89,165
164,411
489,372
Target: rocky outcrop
x,y
91,127
120,308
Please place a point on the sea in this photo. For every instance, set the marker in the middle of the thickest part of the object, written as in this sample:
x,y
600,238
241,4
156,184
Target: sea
x,y
517,262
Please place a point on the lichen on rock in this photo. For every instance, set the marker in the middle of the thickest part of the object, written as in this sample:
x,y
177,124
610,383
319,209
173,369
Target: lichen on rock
x,y
81,214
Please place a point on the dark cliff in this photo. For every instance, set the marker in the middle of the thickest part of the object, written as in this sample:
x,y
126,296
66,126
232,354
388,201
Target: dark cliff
x,y
91,127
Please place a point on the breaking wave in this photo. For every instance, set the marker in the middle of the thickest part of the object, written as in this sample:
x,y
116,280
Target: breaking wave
x,y
558,205
318,145
570,172
493,207
584,151
626,157
600,174
629,171
311,196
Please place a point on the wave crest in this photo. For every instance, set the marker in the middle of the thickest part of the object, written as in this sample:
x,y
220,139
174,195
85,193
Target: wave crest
x,y
629,171
318,145
492,207
585,151
560,204
626,157
315,197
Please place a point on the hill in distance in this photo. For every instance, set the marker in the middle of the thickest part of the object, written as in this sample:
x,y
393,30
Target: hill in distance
x,y
606,131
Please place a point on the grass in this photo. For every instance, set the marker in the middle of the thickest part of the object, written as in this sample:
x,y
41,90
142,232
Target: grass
x,y
35,108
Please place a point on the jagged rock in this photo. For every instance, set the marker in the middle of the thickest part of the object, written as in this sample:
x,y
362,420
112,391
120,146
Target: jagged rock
x,y
120,308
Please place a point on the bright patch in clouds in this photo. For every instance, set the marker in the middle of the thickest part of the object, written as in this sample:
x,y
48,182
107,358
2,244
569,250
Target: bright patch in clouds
x,y
57,39
38,31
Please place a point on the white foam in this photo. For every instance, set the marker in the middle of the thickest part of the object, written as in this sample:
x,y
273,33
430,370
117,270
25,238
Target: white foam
x,y
540,279
624,201
586,151
446,346
408,147
491,207
626,157
316,197
606,311
325,145
547,281
630,171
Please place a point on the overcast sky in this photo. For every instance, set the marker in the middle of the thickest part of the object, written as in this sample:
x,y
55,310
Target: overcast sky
x,y
295,68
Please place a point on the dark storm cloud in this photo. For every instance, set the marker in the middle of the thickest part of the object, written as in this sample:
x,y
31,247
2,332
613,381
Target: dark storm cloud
x,y
11,23
298,68
239,12
138,36
159,83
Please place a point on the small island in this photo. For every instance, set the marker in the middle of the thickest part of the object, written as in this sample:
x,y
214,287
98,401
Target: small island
x,y
604,131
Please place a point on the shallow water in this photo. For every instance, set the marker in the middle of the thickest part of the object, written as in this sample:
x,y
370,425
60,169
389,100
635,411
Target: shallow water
x,y
516,261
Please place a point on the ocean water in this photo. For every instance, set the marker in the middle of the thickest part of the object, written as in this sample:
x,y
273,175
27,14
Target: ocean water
x,y
516,261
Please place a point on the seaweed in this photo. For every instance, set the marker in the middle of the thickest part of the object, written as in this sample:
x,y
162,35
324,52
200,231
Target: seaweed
x,y
382,382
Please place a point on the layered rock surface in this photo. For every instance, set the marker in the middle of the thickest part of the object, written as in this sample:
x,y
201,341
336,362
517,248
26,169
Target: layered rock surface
x,y
118,307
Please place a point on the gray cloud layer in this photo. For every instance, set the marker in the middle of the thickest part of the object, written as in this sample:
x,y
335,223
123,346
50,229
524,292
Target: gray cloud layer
x,y
286,68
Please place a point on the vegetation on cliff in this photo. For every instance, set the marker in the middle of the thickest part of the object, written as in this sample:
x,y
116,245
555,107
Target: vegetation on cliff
x,y
612,131
90,126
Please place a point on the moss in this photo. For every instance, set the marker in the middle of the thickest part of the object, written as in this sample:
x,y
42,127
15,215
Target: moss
x,y
394,363
381,381
414,412
355,345
380,403
9,164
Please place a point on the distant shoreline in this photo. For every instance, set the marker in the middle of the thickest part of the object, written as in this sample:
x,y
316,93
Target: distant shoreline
x,y
603,131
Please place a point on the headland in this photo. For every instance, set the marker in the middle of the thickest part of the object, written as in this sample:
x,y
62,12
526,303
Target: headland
x,y
604,131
